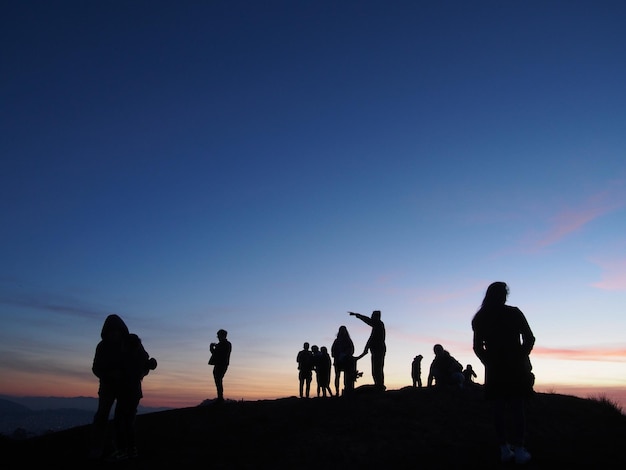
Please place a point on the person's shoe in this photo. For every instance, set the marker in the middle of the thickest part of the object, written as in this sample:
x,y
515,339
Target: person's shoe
x,y
506,453
521,456
117,456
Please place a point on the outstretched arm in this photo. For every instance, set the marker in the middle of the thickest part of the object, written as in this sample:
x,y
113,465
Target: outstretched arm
x,y
364,353
431,376
361,317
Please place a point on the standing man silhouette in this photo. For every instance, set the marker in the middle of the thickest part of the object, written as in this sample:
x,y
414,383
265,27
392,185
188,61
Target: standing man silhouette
x,y
220,358
305,370
416,371
376,346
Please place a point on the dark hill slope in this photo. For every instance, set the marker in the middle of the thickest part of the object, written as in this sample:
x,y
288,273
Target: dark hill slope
x,y
422,428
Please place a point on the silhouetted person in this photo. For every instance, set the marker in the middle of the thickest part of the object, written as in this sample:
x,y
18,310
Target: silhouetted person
x,y
469,375
376,346
315,352
322,369
342,351
220,359
445,370
416,371
305,370
503,341
137,364
108,366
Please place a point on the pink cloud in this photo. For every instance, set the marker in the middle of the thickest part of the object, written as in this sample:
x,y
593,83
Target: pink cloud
x,y
582,354
613,275
572,220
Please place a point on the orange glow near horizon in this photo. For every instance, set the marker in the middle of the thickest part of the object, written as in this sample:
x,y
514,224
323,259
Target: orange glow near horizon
x,y
161,392
582,372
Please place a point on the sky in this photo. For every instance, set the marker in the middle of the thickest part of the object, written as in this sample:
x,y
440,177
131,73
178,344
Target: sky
x,y
266,167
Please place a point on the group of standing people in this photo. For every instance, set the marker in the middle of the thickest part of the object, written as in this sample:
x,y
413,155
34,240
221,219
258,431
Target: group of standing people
x,y
502,340
316,360
343,359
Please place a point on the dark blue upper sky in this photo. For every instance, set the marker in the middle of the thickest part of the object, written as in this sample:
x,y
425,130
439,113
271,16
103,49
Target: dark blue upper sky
x,y
257,165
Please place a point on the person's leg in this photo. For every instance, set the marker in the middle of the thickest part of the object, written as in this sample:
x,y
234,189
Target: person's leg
x,y
126,413
377,370
119,428
132,434
518,430
218,376
518,421
349,375
100,423
500,414
337,379
499,409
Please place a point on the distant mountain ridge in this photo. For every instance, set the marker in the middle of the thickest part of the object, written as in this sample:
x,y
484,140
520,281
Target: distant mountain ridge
x,y
32,416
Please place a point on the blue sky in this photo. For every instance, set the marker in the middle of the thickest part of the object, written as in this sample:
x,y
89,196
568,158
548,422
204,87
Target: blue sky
x,y
265,167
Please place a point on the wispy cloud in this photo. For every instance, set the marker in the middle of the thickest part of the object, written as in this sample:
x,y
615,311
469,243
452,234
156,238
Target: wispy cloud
x,y
613,275
571,220
617,354
65,305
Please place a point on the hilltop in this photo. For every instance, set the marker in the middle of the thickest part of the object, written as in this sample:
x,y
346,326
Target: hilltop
x,y
407,428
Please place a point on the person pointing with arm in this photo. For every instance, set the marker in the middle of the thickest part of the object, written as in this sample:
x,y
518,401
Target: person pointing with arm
x,y
376,346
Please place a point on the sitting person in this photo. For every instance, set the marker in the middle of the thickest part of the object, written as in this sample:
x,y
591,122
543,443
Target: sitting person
x,y
445,369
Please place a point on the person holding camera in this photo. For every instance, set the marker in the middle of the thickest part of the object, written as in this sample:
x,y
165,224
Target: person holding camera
x,y
220,358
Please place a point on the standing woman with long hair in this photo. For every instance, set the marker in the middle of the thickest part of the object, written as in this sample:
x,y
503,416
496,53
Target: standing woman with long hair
x,y
503,341
342,351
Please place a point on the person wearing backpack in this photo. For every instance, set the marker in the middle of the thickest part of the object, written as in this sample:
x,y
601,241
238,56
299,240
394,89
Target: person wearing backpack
x,y
108,368
137,364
